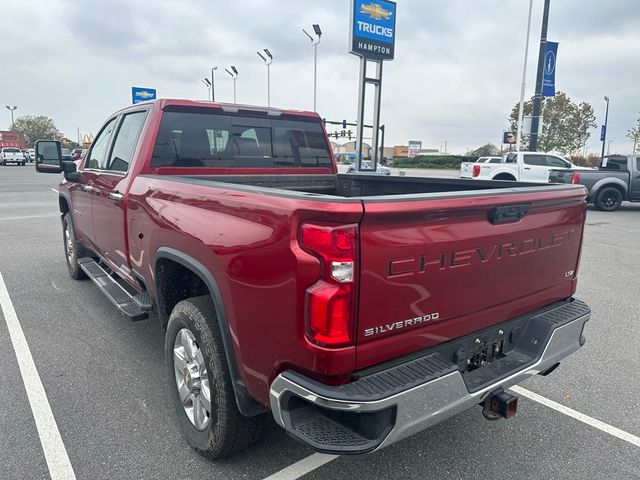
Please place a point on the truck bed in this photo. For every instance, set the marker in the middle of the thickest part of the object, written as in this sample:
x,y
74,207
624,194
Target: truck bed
x,y
351,186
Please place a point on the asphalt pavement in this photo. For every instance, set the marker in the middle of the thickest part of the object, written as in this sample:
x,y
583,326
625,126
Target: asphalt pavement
x,y
105,380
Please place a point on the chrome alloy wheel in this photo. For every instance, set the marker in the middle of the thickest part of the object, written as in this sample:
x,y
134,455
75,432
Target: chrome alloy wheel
x,y
192,379
69,246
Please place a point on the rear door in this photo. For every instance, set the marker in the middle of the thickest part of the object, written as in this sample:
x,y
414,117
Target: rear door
x,y
435,269
109,203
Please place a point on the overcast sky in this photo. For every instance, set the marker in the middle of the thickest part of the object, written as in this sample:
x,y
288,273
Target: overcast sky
x,y
455,78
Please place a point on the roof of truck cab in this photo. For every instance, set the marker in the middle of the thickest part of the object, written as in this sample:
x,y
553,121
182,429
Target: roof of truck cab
x,y
163,103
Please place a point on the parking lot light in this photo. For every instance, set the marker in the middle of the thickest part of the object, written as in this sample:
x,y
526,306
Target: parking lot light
x,y
11,109
267,62
234,75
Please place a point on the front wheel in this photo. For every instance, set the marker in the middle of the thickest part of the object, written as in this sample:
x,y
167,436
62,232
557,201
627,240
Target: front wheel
x,y
200,382
609,199
71,248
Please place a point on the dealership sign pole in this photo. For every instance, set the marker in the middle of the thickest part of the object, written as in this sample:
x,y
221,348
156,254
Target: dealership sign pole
x,y
373,34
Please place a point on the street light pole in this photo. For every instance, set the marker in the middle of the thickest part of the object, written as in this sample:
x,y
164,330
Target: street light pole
x,y
208,85
268,63
213,85
524,77
11,109
537,99
315,42
604,132
234,75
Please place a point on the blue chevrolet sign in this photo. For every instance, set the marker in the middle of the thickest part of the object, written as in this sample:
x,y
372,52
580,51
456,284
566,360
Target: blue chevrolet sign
x,y
373,29
139,94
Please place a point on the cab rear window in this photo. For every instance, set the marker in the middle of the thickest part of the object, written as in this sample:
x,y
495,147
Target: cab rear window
x,y
195,139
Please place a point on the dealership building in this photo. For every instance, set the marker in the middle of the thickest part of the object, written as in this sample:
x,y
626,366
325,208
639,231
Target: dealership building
x,y
12,139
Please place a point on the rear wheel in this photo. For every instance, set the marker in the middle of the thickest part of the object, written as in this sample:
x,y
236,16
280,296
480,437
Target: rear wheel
x,y
609,199
200,382
71,248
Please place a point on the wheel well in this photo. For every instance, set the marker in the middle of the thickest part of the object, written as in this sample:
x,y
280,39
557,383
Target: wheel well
x,y
504,176
611,185
175,283
64,206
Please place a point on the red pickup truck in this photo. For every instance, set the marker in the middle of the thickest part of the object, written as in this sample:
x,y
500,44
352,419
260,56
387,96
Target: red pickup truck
x,y
357,309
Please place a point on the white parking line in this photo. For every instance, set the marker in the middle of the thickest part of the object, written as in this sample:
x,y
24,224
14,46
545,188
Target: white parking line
x,y
317,460
54,451
616,432
26,217
302,467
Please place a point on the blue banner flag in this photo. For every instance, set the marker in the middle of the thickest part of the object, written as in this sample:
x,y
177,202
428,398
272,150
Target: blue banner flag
x,y
549,77
603,133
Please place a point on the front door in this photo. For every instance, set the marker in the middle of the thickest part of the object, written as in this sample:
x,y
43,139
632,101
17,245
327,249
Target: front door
x,y
109,200
82,192
634,180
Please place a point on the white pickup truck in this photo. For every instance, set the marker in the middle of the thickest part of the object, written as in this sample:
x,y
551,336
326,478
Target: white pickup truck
x,y
11,155
518,166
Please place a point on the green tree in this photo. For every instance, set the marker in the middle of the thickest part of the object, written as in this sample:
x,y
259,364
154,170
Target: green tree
x,y
34,128
565,124
634,134
488,150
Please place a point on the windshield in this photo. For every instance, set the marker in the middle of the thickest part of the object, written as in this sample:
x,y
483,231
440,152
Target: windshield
x,y
187,139
11,150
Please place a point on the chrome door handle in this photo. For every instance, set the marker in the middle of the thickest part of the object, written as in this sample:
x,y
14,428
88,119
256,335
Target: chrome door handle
x,y
117,196
88,188
527,168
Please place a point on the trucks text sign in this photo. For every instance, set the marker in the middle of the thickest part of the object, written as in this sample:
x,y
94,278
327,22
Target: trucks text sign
x,y
373,29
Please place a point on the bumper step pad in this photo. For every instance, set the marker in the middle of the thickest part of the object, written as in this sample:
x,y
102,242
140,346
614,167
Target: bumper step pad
x,y
134,308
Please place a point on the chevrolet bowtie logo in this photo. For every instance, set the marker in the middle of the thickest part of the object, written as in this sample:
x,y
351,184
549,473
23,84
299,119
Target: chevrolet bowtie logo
x,y
375,11
144,94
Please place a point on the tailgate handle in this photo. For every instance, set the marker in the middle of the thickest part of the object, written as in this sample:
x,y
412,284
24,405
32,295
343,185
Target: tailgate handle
x,y
508,213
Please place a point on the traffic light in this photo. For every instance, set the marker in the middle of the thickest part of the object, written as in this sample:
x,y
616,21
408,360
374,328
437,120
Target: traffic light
x,y
349,134
343,133
344,124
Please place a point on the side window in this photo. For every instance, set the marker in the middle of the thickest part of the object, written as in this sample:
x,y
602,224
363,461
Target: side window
x,y
98,154
556,162
638,164
126,141
533,160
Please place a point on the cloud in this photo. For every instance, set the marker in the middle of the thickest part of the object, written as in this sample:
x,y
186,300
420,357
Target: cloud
x,y
456,75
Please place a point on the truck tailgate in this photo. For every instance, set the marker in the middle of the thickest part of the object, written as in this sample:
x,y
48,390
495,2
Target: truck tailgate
x,y
436,268
466,169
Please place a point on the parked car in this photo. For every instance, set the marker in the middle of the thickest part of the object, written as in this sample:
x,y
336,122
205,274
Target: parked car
x,y
367,165
523,166
489,160
76,153
616,180
12,155
355,309
66,154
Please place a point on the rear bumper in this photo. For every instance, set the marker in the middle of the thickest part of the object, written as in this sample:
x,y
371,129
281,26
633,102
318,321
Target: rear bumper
x,y
381,408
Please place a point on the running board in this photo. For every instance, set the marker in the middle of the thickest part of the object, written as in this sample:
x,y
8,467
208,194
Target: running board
x,y
127,304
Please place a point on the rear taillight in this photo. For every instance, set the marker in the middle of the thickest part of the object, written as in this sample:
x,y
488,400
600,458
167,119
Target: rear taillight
x,y
329,306
476,170
575,178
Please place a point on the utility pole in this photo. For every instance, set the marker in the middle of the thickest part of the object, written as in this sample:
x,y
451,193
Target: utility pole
x,y
604,127
537,99
315,42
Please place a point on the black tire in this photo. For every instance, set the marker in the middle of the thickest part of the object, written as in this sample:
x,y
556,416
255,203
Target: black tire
x,y
608,199
71,248
228,431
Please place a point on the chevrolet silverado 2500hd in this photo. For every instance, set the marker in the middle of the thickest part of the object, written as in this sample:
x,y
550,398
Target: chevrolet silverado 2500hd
x,y
357,310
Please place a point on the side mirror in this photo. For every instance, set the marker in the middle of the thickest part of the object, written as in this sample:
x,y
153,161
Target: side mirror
x,y
48,156
69,171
